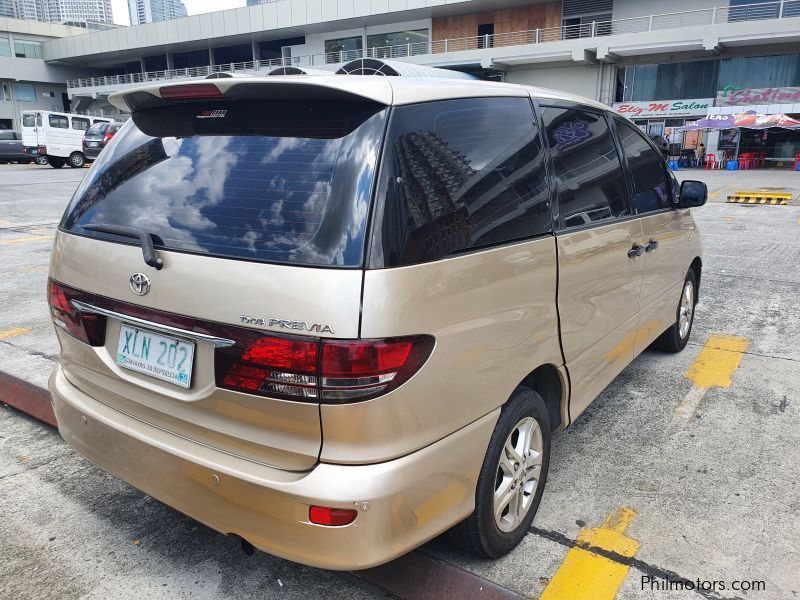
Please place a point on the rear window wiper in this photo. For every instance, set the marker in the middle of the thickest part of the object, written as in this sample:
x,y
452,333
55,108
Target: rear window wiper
x,y
145,240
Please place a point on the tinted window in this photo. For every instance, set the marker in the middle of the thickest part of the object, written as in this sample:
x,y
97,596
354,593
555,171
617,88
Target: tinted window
x,y
588,173
28,120
459,175
98,129
651,189
58,121
80,124
7,135
269,181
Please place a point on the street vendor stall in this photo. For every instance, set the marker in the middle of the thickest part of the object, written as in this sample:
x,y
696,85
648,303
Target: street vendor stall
x,y
752,139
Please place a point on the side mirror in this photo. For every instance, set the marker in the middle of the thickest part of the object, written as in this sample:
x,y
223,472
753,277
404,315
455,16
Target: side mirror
x,y
693,193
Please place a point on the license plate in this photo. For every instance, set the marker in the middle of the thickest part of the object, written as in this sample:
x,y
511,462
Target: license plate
x,y
92,144
163,357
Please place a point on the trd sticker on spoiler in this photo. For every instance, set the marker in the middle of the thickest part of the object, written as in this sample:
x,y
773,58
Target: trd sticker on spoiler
x,y
212,114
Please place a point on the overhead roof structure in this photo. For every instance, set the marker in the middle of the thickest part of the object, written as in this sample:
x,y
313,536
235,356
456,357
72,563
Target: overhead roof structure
x,y
394,68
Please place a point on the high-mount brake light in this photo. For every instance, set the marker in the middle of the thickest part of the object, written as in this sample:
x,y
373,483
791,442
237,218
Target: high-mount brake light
x,y
312,370
90,329
194,91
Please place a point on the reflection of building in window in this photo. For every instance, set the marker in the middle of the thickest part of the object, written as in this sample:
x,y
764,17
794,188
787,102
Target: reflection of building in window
x,y
430,174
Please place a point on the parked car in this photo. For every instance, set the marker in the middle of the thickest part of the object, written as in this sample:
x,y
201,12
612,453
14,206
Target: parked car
x,y
56,136
341,315
96,138
11,148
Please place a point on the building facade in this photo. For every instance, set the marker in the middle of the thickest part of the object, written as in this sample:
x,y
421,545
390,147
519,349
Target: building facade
x,y
150,11
58,11
26,81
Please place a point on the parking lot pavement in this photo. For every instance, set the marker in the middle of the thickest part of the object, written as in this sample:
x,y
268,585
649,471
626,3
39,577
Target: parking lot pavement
x,y
686,467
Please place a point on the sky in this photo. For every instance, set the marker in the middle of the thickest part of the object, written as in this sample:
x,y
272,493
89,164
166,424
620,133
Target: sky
x,y
193,7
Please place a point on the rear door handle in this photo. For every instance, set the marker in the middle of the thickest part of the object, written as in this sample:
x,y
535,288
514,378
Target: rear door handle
x,y
636,250
651,246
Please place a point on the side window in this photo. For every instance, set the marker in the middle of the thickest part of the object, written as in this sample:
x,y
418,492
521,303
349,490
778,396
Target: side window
x,y
651,187
588,173
80,124
58,121
6,135
459,175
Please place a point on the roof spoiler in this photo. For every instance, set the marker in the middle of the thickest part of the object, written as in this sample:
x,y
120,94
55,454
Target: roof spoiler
x,y
394,68
303,87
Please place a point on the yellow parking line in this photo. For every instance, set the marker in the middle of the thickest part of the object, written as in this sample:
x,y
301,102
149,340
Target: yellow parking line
x,y
29,238
713,367
585,575
13,332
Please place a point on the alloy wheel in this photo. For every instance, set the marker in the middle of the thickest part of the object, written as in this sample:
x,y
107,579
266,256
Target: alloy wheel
x,y
518,474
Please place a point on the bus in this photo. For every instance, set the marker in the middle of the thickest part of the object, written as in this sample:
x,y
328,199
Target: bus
x,y
56,138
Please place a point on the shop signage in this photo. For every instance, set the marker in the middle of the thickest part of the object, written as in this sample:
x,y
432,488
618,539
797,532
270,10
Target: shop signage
x,y
732,96
665,108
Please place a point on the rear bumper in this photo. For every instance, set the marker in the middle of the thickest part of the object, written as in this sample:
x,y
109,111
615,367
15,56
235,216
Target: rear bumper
x,y
92,153
411,499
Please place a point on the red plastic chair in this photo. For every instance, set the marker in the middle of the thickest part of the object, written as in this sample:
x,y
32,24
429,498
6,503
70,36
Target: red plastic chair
x,y
711,161
745,160
762,159
796,161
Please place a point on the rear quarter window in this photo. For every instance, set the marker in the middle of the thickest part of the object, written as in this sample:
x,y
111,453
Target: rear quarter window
x,y
286,182
457,176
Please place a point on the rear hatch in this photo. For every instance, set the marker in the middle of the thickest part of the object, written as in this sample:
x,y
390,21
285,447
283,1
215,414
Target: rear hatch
x,y
95,135
30,137
257,210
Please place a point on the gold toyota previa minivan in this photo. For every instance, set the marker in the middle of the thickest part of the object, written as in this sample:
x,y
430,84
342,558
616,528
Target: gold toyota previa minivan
x,y
339,315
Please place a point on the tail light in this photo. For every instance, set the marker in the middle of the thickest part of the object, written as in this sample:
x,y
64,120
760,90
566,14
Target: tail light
x,y
328,371
90,329
107,137
42,151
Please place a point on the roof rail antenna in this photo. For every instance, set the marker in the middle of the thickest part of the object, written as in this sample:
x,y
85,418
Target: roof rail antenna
x,y
298,71
395,68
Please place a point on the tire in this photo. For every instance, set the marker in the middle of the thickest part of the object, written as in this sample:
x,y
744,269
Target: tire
x,y
56,161
40,160
675,338
483,534
77,160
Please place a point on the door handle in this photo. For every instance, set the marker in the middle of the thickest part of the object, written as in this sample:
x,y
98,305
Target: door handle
x,y
636,250
651,246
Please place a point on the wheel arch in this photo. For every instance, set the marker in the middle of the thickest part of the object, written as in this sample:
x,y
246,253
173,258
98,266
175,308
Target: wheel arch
x,y
697,267
551,383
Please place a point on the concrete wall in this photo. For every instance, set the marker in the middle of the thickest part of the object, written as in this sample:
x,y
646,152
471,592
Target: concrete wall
x,y
583,80
11,109
624,9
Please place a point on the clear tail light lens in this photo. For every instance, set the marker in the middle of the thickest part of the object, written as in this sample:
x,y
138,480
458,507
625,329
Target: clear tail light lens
x,y
329,371
90,329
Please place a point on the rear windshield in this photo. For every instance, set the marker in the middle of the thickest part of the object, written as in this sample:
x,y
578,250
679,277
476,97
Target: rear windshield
x,y
29,120
98,129
282,182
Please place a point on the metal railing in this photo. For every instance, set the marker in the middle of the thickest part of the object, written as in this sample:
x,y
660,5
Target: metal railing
x,y
677,20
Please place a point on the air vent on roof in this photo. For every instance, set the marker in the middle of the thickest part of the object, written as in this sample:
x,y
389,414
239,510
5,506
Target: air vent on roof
x,y
586,7
298,71
373,66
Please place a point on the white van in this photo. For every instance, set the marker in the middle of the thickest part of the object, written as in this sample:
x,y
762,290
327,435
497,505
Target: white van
x,y
56,137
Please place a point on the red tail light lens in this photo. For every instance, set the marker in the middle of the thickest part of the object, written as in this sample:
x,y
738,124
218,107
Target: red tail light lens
x,y
90,329
331,517
193,91
332,371
107,137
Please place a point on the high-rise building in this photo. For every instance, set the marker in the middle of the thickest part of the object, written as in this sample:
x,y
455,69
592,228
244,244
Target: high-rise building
x,y
147,11
58,11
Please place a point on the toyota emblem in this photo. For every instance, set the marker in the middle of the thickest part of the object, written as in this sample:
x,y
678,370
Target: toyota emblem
x,y
140,284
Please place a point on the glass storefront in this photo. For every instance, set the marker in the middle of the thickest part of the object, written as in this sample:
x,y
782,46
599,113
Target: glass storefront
x,y
703,78
398,43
